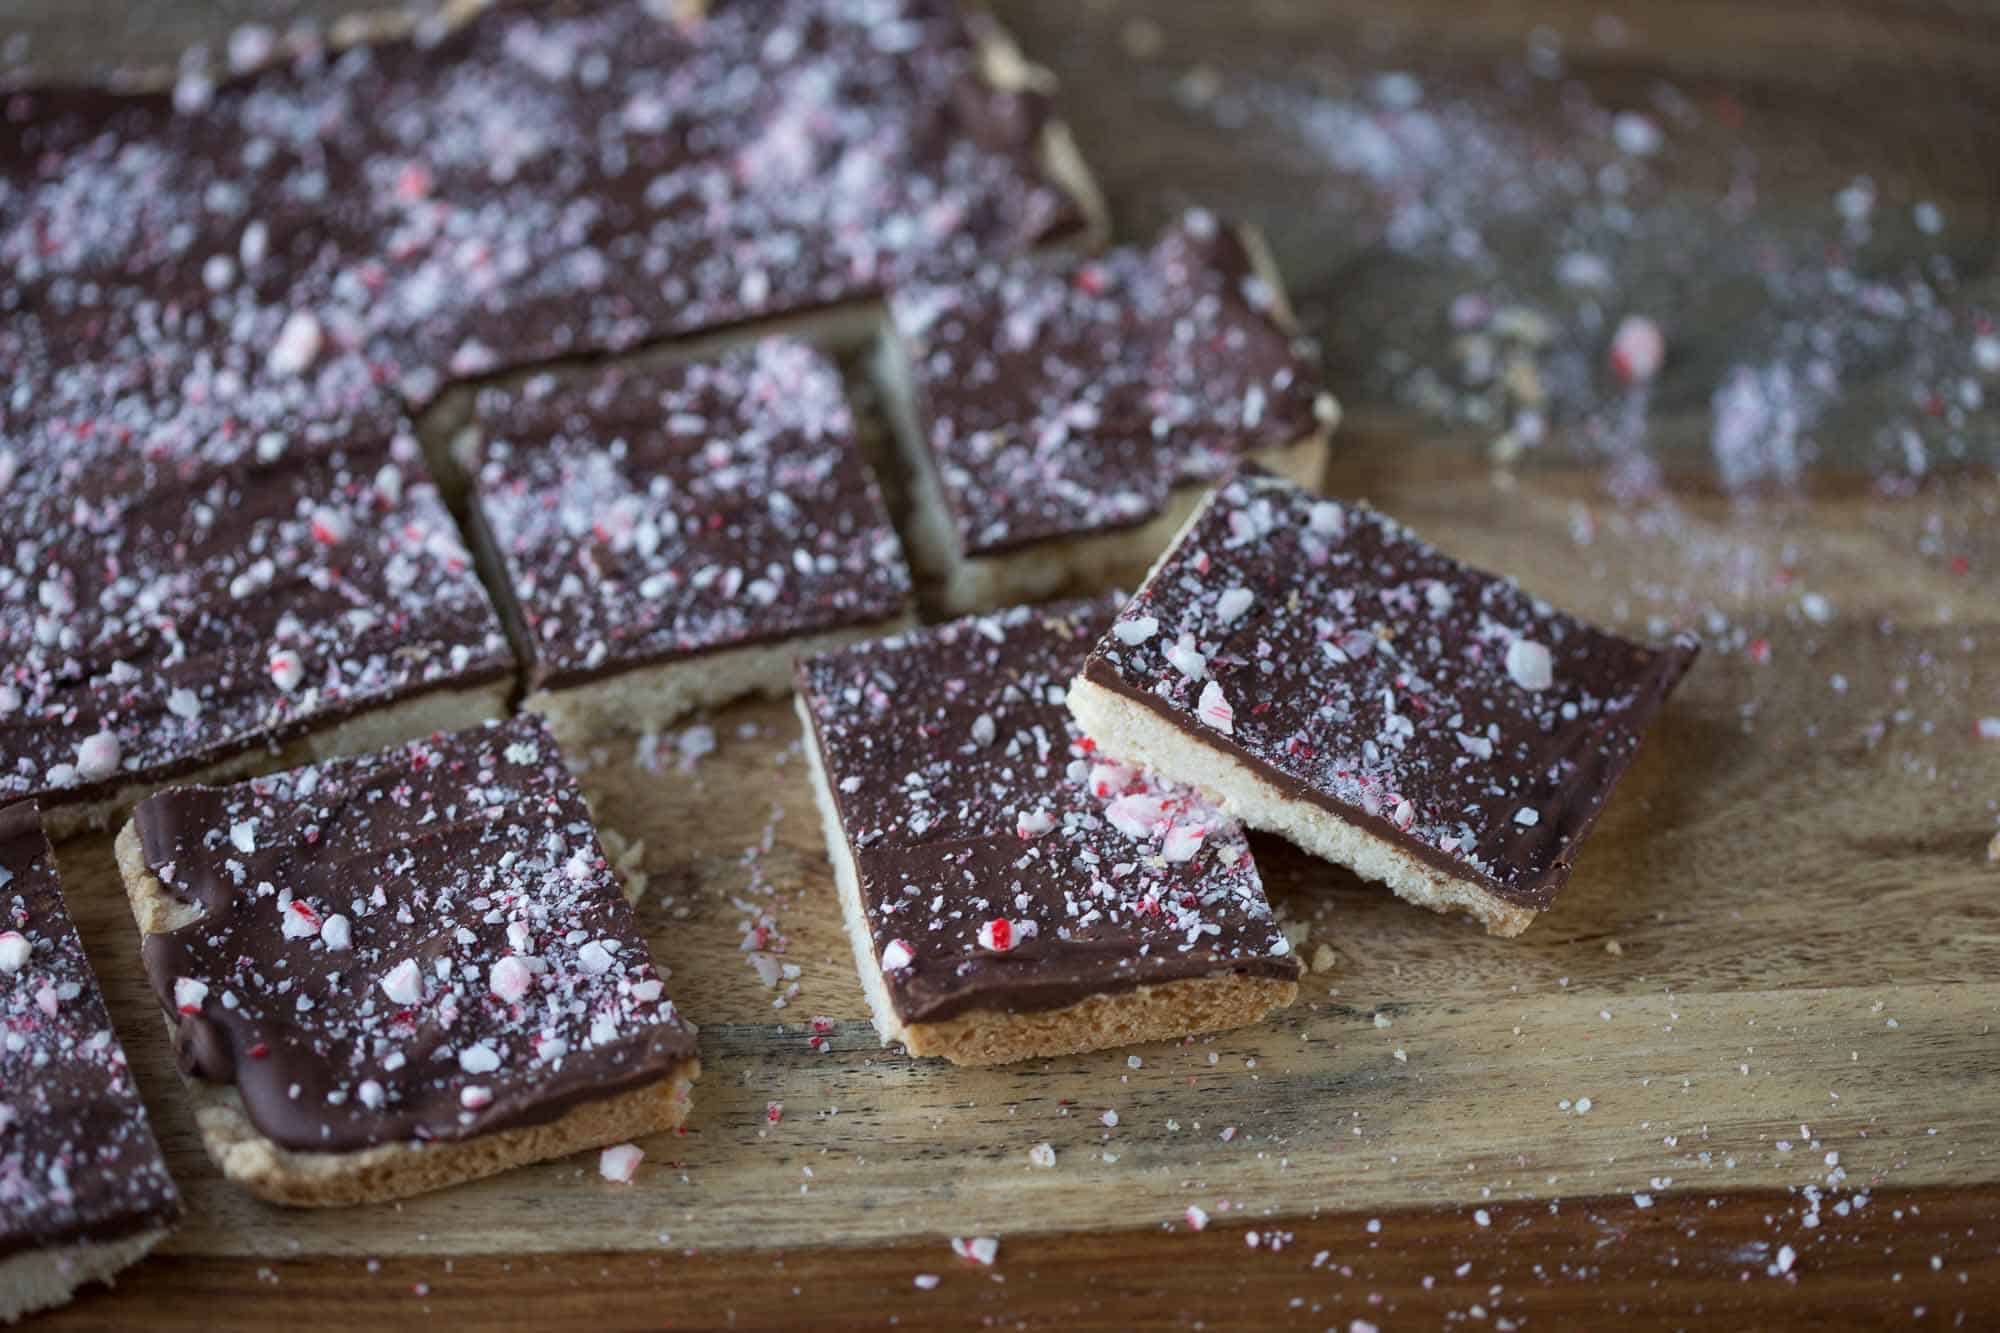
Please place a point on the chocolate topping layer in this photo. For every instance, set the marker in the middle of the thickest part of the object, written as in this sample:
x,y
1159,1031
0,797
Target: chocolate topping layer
x,y
425,943
650,515
1064,396
77,1157
1002,864
1356,667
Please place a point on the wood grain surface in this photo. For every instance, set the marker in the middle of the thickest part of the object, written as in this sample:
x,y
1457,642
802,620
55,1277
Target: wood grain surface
x,y
1773,976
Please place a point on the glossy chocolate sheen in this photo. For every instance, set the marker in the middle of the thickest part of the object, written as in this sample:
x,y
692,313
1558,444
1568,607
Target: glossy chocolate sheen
x,y
421,944
968,797
1061,397
651,515
1356,667
541,181
78,1162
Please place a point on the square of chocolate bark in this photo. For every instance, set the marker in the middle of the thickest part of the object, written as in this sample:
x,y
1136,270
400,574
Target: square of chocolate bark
x,y
1060,416
207,571
671,538
83,1189
391,973
1323,674
1008,893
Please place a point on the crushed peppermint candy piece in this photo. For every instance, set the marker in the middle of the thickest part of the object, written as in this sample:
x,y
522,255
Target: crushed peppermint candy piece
x,y
189,994
1215,710
620,1162
1638,349
979,1249
15,949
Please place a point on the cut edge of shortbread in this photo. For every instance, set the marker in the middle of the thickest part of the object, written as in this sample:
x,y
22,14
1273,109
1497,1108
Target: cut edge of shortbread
x,y
388,1171
1111,1018
406,719
957,584
1129,730
40,1279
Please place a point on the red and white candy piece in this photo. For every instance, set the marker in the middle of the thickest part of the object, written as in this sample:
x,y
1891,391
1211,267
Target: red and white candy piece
x,y
286,670
1638,349
1214,709
188,994
14,951
330,526
979,1249
336,933
510,978
1033,823
620,1162
1183,842
405,982
897,955
97,757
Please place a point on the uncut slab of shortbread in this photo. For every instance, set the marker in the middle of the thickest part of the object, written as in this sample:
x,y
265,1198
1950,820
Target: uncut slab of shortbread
x,y
672,538
83,1189
392,973
1060,416
541,181
1324,674
1008,893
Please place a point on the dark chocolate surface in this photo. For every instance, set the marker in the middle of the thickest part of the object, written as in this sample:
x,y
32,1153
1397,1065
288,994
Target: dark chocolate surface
x,y
968,797
77,1157
1363,670
1061,396
649,515
426,943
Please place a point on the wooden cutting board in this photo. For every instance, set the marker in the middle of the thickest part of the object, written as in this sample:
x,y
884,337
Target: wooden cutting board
x,y
1777,947
1782,943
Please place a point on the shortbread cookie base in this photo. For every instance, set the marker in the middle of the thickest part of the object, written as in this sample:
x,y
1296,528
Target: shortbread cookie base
x,y
40,1279
648,698
391,1171
407,719
995,1037
1131,731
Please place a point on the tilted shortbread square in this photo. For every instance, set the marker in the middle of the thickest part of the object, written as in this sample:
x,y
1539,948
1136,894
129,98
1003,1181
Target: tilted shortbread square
x,y
1059,416
83,1190
1007,894
393,973
1324,674
675,537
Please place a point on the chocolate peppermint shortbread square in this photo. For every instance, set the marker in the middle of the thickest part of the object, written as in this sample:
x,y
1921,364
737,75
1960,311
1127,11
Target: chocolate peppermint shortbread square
x,y
1324,674
83,1190
672,538
392,973
1060,416
1010,893
176,604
